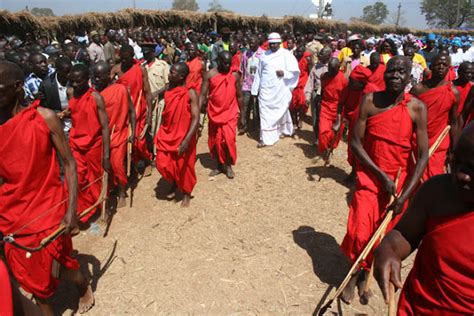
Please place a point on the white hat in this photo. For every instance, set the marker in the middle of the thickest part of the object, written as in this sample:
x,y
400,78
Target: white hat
x,y
354,37
274,38
67,41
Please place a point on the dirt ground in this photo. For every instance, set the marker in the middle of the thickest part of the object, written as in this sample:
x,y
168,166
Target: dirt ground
x,y
266,242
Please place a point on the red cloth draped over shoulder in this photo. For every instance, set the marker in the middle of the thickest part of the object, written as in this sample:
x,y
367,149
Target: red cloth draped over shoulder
x,y
6,300
377,78
235,62
442,278
388,142
33,200
464,92
223,112
116,104
439,102
194,79
85,139
175,123
298,101
333,89
133,80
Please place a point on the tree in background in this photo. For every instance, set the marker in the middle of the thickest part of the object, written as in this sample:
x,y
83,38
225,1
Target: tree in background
x,y
42,12
375,14
215,6
190,5
447,13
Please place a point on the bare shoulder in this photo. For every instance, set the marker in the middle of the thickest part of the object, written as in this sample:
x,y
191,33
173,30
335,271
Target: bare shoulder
x,y
236,74
97,97
416,105
455,91
211,73
193,94
47,114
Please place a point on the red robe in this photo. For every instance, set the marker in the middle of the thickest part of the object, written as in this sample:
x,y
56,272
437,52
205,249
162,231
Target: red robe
x,y
441,281
85,139
133,79
377,78
388,142
33,201
194,79
235,63
464,92
439,102
223,112
6,300
116,104
298,100
333,89
175,123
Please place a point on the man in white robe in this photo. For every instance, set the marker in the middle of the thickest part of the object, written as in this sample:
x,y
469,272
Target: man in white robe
x,y
276,77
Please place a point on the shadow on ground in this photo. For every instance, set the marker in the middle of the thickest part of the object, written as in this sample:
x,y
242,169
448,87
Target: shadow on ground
x,y
329,263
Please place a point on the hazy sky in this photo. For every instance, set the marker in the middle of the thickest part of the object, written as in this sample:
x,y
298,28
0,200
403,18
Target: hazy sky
x,y
343,9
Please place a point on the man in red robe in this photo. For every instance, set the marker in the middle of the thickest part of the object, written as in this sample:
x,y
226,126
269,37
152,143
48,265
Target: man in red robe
x,y
221,87
134,76
349,107
89,138
298,107
33,199
382,143
333,85
176,139
197,68
441,99
378,71
440,223
236,56
122,121
463,83
467,114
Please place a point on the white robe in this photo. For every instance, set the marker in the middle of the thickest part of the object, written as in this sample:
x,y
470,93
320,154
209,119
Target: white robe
x,y
274,94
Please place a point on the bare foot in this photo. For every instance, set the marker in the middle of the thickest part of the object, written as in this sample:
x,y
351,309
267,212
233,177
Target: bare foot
x,y
172,192
122,202
186,200
229,172
147,171
261,145
215,172
348,294
86,301
364,294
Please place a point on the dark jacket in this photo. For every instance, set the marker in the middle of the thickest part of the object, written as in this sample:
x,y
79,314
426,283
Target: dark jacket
x,y
48,93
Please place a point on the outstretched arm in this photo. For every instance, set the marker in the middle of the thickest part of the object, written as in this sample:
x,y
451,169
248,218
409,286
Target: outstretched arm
x,y
238,87
132,117
455,130
204,90
358,148
401,242
149,99
195,112
420,118
61,145
104,123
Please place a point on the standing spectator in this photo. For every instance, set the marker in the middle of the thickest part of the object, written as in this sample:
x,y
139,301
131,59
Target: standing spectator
x,y
96,50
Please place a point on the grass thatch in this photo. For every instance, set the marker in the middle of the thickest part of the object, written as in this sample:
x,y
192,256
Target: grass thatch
x,y
21,22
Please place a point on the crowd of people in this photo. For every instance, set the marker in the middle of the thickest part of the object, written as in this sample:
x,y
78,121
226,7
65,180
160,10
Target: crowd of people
x,y
79,108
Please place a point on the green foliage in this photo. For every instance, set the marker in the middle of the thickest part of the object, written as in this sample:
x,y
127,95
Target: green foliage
x,y
444,13
375,14
42,12
215,6
190,5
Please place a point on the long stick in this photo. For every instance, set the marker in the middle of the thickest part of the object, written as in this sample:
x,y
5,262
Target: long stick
x,y
62,228
392,304
363,254
104,202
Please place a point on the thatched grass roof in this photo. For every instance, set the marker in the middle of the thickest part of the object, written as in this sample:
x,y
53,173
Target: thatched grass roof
x,y
21,22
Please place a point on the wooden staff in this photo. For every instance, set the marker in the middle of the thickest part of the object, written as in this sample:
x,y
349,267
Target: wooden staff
x,y
58,232
104,202
363,255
